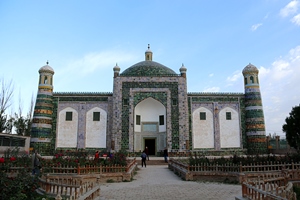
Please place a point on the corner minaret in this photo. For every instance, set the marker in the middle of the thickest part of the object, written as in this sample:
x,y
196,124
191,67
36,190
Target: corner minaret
x,y
183,71
148,54
255,122
42,117
116,70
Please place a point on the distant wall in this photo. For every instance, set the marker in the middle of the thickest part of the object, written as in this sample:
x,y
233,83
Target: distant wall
x,y
11,141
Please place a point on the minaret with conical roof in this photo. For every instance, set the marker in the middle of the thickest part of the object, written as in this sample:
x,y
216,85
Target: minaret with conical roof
x,y
42,117
255,122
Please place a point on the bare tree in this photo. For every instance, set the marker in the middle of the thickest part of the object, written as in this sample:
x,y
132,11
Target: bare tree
x,y
29,116
6,94
22,123
20,120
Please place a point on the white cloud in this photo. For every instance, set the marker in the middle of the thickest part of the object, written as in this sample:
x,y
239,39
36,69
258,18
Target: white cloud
x,y
296,19
294,54
235,76
263,71
94,61
281,69
212,89
255,26
266,16
211,75
290,9
91,67
279,85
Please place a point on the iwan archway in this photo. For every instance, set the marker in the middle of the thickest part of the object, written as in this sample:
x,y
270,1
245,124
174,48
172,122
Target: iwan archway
x,y
150,126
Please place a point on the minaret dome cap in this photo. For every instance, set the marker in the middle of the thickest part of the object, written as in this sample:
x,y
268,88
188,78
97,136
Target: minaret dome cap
x,y
182,68
46,68
117,68
250,69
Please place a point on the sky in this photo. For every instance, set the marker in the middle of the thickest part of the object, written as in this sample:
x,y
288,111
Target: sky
x,y
215,40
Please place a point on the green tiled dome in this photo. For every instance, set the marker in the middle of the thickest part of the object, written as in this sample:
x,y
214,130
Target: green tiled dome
x,y
148,68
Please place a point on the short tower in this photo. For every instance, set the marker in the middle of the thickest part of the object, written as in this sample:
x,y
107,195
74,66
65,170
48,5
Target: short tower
x,y
148,54
41,131
255,122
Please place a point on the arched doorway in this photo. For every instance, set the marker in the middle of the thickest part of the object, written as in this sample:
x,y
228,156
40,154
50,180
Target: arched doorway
x,y
149,126
151,144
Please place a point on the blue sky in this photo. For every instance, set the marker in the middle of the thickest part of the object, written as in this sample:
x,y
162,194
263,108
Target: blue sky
x,y
215,40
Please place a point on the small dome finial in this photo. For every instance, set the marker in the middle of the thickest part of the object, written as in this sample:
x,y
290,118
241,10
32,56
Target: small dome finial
x,y
117,68
47,62
148,54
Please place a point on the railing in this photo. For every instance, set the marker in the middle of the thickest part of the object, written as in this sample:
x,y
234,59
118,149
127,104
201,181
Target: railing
x,y
213,167
259,181
73,187
258,167
270,166
269,186
65,186
88,169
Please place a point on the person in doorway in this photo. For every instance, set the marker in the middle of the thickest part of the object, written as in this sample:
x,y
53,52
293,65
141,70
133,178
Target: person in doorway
x,y
36,165
147,152
144,156
166,155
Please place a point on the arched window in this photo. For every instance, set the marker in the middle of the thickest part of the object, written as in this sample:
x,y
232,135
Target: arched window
x,y
46,80
251,79
246,82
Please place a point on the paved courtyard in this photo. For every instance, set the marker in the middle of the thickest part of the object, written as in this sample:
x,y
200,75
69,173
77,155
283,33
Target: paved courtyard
x,y
158,182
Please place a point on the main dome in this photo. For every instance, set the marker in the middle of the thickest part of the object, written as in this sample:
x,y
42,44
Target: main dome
x,y
148,68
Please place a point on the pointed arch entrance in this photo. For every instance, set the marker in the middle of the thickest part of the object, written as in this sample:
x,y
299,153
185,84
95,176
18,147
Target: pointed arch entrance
x,y
150,126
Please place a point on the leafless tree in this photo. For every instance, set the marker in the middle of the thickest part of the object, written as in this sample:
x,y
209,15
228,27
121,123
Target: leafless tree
x,y
6,94
22,123
29,116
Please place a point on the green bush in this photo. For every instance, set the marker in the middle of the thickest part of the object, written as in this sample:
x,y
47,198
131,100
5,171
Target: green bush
x,y
118,158
21,187
297,191
244,160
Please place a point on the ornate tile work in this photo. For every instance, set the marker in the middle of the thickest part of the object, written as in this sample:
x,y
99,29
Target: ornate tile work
x,y
148,68
160,96
219,100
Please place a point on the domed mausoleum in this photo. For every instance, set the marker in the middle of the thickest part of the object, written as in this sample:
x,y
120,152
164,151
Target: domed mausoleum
x,y
149,106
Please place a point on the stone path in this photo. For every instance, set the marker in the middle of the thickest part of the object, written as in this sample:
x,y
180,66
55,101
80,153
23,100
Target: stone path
x,y
158,182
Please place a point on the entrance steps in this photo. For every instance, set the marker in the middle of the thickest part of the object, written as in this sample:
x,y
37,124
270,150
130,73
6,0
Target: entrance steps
x,y
152,161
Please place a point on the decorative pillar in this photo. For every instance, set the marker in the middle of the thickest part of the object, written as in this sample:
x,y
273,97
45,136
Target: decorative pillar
x,y
255,122
42,117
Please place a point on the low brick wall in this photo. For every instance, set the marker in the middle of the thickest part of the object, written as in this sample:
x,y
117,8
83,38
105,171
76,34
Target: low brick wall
x,y
187,175
216,177
118,176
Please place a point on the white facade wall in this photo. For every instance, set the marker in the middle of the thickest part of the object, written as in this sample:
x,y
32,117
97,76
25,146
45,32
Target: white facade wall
x,y
67,130
229,129
203,130
96,130
150,110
